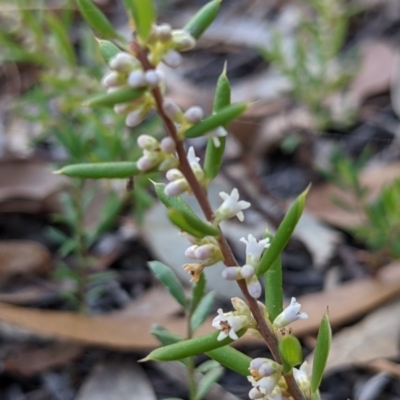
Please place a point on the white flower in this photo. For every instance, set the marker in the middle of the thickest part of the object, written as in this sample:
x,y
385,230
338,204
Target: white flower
x,y
254,249
194,269
231,206
265,374
229,324
290,314
216,134
191,156
302,378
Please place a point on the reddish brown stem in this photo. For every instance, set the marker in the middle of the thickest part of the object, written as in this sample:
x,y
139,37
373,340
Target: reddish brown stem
x,y
201,196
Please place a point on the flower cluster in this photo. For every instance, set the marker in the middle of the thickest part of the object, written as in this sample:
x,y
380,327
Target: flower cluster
x,y
178,183
254,250
268,382
231,322
156,154
206,251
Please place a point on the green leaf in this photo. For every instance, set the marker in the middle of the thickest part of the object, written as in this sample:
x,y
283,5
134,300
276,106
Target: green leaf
x,y
96,19
321,353
214,155
273,287
104,170
194,226
203,19
123,95
198,290
202,311
108,50
166,276
283,234
222,118
290,351
231,358
208,380
143,15
62,39
191,347
175,202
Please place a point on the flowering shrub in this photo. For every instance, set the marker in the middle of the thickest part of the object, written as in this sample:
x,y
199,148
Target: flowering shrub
x,y
135,85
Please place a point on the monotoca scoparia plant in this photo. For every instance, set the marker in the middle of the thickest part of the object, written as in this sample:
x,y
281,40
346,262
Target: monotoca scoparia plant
x,y
134,86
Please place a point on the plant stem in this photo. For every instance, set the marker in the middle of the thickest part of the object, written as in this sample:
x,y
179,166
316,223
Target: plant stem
x,y
201,197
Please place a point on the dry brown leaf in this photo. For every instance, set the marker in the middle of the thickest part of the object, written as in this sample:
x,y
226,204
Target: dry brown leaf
x,y
23,257
117,381
128,329
319,201
28,186
376,336
34,361
374,78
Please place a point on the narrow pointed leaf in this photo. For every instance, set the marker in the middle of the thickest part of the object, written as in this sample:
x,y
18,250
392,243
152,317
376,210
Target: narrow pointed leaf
x,y
168,278
108,50
190,347
198,290
104,170
231,358
223,117
283,234
321,353
194,226
96,19
202,311
290,352
208,381
214,155
273,287
175,202
123,95
203,19
143,15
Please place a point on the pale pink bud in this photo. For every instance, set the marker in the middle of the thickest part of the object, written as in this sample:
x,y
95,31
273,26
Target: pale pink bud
x,y
247,271
164,32
152,78
110,79
254,287
203,252
176,188
123,62
266,369
168,145
255,394
256,363
173,59
194,114
145,163
190,252
136,79
171,109
232,273
133,119
183,40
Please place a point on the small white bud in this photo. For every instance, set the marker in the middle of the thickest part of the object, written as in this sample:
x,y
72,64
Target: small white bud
x,y
152,78
145,163
255,394
254,287
174,174
176,188
168,145
123,62
133,119
194,114
203,252
190,251
232,273
247,271
173,59
267,369
164,32
136,79
183,40
256,363
171,109
110,79
147,142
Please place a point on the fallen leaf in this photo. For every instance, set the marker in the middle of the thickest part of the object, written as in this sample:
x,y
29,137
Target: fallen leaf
x,y
376,336
28,186
319,200
377,61
34,361
129,328
116,381
23,257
